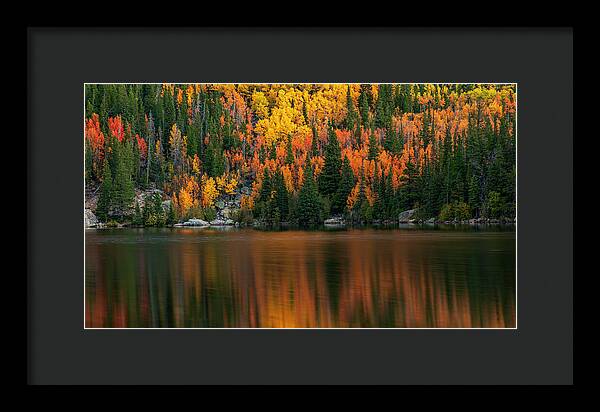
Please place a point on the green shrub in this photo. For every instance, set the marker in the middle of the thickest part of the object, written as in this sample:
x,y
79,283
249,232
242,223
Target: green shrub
x,y
112,223
494,205
461,211
210,214
447,212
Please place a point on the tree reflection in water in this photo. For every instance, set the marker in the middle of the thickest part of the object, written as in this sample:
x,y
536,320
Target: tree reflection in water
x,y
204,278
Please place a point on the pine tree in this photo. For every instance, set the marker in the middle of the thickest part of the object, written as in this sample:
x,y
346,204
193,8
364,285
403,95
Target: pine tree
x,y
158,210
289,154
147,215
373,147
381,107
308,201
138,219
410,185
363,105
390,201
378,189
347,182
104,200
315,142
266,187
330,176
362,209
122,188
151,136
350,111
281,197
171,216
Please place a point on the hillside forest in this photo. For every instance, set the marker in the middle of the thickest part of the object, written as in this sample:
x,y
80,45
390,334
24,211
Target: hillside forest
x,y
297,154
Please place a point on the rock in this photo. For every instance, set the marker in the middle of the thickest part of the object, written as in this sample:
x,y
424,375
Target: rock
x,y
217,222
334,221
229,222
140,196
430,221
405,216
89,218
196,222
230,212
166,204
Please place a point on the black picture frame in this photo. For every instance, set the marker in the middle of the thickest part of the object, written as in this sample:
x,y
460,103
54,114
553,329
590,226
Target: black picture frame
x,y
60,351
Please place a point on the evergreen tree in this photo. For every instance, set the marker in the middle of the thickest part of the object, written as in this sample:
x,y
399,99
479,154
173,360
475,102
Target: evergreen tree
x,y
171,216
315,142
158,210
382,110
330,176
378,189
104,200
214,163
122,188
281,197
266,187
351,116
410,185
373,147
363,212
309,213
347,182
138,219
151,145
390,200
363,105
289,154
147,215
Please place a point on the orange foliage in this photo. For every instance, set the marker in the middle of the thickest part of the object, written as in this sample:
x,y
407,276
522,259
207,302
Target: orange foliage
x,y
115,125
96,138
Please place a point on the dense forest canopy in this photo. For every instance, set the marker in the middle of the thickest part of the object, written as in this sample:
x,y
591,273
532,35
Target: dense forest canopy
x,y
300,153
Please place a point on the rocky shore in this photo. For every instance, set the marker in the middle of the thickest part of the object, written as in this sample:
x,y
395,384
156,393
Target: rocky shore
x,y
227,210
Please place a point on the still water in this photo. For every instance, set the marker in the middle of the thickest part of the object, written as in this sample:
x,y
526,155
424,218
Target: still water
x,y
245,278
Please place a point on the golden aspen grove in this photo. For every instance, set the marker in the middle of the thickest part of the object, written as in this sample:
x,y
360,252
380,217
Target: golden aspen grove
x,y
299,154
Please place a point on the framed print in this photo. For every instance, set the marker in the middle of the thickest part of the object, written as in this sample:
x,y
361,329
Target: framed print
x,y
254,213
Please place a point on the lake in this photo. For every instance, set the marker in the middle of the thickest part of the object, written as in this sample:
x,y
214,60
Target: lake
x,y
246,278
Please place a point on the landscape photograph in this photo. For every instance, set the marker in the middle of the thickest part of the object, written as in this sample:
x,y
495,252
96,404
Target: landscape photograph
x,y
275,206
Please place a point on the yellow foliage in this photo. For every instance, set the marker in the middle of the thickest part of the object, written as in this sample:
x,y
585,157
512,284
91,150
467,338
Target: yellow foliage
x,y
353,196
209,191
260,105
227,183
187,195
196,164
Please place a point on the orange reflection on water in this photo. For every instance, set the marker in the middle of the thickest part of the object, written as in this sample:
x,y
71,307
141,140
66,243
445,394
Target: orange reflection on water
x,y
345,279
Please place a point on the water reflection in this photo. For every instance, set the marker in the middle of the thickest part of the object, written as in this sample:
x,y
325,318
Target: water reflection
x,y
345,279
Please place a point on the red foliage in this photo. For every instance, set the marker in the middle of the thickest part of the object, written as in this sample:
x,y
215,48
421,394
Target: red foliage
x,y
115,125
